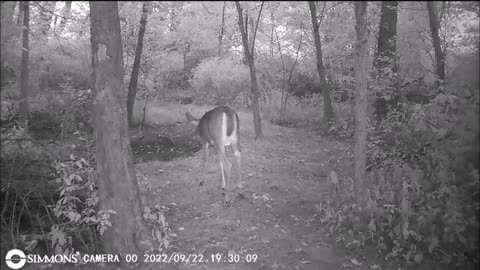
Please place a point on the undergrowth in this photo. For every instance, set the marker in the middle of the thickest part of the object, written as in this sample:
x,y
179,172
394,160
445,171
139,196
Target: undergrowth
x,y
422,187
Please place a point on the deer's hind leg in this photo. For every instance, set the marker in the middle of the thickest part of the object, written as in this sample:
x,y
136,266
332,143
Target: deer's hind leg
x,y
225,168
238,164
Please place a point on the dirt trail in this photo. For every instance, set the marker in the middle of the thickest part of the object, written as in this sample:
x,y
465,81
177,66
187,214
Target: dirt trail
x,y
273,216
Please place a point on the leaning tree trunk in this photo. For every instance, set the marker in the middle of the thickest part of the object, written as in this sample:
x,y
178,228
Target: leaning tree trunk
x,y
117,182
132,87
257,121
360,150
327,110
24,77
439,55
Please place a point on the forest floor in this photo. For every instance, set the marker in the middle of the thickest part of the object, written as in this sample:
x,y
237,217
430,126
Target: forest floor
x,y
273,218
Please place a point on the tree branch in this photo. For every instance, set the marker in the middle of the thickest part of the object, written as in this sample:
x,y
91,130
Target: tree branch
x,y
256,27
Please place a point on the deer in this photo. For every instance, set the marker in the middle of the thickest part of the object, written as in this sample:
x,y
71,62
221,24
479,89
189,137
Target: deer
x,y
219,128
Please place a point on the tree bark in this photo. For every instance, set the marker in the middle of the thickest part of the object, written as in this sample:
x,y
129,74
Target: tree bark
x,y
66,16
360,150
328,112
387,39
6,31
24,76
222,30
386,59
272,19
117,183
257,121
20,13
132,87
439,55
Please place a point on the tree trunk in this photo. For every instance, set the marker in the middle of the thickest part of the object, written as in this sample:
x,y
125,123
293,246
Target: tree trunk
x,y
272,19
132,87
173,25
386,59
257,121
328,112
387,39
6,31
360,150
439,55
24,77
66,16
222,30
117,182
20,13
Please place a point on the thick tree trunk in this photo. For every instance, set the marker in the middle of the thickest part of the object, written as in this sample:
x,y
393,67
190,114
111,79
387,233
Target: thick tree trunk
x,y
328,112
257,121
117,183
387,39
439,55
360,150
386,59
24,77
132,87
66,16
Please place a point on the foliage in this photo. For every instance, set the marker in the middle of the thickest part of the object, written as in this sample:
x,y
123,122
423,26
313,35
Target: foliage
x,y
303,84
62,111
162,234
412,214
423,186
76,207
300,112
32,223
219,79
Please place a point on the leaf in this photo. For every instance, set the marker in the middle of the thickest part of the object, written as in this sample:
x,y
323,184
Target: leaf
x,y
71,215
433,243
397,230
371,226
333,178
355,262
418,258
68,180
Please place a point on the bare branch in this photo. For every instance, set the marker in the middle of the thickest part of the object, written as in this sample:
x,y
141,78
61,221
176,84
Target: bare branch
x,y
256,27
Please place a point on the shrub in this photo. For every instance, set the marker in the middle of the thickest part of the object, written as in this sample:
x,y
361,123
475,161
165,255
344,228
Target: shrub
x,y
220,79
423,186
299,111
